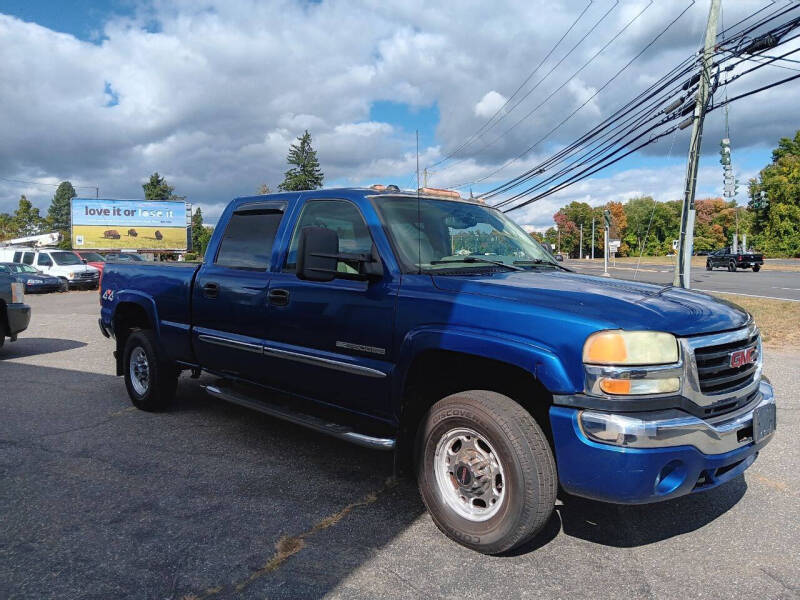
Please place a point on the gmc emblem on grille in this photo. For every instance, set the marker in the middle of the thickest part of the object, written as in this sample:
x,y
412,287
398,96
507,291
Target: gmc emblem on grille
x,y
741,358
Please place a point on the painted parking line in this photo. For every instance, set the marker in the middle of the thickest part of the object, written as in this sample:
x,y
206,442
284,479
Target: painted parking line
x,y
748,295
792,289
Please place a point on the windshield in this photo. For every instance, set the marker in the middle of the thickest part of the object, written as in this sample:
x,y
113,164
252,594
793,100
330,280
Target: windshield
x,y
133,257
92,257
65,258
24,269
442,235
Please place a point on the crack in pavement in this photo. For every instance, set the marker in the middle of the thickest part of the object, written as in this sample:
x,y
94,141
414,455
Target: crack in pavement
x,y
288,546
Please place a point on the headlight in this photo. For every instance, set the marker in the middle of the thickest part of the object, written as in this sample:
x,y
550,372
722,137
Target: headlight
x,y
70,275
630,348
17,293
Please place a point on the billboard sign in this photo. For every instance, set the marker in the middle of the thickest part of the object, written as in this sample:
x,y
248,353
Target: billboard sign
x,y
106,224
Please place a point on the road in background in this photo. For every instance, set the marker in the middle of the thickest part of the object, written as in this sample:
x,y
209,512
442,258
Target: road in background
x,y
767,283
99,500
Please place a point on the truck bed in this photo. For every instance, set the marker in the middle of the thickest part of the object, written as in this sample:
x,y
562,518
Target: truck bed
x,y
168,287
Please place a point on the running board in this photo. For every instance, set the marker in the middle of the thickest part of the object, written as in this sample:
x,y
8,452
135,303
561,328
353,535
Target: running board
x,y
280,412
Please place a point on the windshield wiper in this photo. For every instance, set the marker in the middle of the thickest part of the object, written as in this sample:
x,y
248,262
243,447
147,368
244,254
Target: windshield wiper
x,y
539,261
477,259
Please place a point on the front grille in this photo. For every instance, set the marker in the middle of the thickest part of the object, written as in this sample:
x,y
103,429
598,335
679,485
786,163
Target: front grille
x,y
714,371
87,275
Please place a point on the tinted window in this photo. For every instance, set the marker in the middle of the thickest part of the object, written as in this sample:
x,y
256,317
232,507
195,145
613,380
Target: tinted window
x,y
92,256
248,239
4,269
44,260
17,256
27,258
341,216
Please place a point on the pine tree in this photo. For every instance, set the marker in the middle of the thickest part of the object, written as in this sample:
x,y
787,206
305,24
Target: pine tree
x,y
59,213
157,188
305,174
27,220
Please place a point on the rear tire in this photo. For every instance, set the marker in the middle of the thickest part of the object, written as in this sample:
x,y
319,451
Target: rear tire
x,y
485,471
732,267
3,331
756,268
708,266
150,379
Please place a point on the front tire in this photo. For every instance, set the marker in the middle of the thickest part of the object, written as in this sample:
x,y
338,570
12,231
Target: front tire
x,y
732,266
756,268
708,266
485,471
151,381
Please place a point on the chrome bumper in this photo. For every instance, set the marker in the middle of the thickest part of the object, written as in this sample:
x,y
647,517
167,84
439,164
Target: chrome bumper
x,y
664,429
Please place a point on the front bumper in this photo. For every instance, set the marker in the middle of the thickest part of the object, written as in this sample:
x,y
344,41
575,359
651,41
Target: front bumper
x,y
19,316
683,455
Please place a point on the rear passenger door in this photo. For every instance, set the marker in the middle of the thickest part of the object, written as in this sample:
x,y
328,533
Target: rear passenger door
x,y
229,309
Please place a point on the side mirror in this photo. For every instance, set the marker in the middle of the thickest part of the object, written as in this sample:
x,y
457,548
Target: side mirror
x,y
84,261
317,254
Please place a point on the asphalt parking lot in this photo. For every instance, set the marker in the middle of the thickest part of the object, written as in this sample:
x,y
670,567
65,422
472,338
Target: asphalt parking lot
x,y
210,500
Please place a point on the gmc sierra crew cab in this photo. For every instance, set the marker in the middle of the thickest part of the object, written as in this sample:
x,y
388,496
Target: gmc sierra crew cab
x,y
436,328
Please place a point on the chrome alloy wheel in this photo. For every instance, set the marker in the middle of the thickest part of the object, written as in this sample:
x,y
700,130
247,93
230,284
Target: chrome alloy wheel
x,y
139,371
469,474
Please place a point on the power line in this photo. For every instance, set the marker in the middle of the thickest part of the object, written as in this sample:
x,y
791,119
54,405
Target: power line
x,y
604,86
559,88
605,161
523,84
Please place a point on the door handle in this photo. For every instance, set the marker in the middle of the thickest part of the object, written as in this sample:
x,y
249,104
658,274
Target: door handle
x,y
278,297
211,290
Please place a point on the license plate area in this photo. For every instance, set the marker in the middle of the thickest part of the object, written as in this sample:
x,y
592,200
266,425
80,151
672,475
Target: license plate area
x,y
764,420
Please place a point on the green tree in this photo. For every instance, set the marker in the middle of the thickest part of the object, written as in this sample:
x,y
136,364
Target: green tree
x,y
776,218
8,228
59,215
27,220
157,188
305,173
201,234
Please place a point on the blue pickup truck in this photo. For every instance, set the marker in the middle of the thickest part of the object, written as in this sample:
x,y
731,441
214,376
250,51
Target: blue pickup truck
x,y
435,327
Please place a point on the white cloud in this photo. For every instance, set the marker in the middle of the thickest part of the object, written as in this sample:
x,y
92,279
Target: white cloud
x,y
212,94
490,104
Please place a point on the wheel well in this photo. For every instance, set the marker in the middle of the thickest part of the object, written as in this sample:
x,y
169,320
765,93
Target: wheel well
x,y
438,373
128,318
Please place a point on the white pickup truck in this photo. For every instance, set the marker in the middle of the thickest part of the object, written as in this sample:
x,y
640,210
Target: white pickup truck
x,y
64,264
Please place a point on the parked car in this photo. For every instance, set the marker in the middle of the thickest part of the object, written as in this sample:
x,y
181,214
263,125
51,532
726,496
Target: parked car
x,y
123,257
732,261
93,259
496,376
63,264
14,313
32,279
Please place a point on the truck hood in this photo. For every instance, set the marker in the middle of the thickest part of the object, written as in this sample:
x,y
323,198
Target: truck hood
x,y
614,303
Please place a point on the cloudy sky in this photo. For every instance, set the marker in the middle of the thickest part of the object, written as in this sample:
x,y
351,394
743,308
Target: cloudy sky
x,y
210,94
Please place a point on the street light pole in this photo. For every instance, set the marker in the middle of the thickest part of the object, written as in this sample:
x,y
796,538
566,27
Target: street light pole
x,y
592,238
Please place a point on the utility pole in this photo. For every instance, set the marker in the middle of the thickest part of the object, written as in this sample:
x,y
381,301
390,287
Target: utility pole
x,y
559,240
592,237
580,248
686,238
607,219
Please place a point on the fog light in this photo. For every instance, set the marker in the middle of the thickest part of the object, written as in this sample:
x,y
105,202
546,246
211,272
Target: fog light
x,y
639,386
671,477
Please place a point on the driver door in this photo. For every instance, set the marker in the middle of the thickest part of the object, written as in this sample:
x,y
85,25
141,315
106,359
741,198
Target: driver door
x,y
332,341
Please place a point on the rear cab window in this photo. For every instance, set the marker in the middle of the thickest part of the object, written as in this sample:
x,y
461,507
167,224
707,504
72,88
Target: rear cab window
x,y
250,236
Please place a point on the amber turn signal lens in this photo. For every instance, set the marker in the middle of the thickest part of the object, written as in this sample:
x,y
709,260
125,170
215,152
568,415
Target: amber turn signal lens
x,y
616,386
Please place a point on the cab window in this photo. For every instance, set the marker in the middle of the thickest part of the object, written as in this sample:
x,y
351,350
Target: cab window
x,y
44,261
341,216
249,237
27,258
